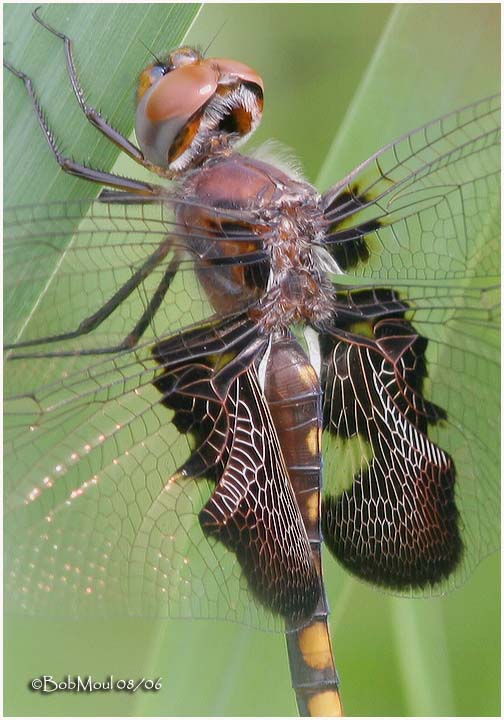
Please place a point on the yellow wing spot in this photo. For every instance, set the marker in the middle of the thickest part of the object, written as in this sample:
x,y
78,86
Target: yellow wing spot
x,y
325,704
363,328
220,361
315,647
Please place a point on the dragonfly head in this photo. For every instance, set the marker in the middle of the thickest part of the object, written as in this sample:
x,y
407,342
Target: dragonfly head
x,y
189,106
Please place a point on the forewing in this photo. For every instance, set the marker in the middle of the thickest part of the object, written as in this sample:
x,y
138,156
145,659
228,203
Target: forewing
x,y
422,207
65,262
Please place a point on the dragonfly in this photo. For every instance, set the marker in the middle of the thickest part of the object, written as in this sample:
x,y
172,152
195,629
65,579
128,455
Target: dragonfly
x,y
362,365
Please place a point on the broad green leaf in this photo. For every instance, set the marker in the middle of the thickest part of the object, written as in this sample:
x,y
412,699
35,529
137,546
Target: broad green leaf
x,y
109,54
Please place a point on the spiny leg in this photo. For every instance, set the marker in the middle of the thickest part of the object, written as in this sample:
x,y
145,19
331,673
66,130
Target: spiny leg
x,y
111,197
70,166
93,321
154,304
143,192
93,115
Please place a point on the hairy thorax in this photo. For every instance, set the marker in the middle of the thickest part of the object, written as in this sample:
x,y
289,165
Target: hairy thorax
x,y
272,262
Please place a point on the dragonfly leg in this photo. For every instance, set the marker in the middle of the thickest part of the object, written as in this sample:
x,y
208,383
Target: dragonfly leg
x,y
93,115
93,321
70,166
154,304
111,197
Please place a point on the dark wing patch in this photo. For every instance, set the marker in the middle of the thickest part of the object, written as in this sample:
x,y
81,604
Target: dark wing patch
x,y
348,244
397,523
194,365
252,510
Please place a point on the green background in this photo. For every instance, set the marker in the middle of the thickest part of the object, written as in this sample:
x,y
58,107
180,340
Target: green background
x,y
341,80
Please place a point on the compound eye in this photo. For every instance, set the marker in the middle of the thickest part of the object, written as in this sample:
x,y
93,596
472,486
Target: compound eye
x,y
184,56
234,71
181,92
167,106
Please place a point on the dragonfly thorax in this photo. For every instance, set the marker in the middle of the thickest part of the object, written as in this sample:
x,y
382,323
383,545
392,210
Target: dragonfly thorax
x,y
256,233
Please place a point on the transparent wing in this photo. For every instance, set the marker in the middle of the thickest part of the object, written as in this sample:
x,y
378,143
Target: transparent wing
x,y
93,524
422,215
65,263
422,207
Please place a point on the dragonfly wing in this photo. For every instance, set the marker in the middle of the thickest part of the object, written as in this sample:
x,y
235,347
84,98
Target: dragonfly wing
x,y
394,521
421,216
96,253
99,521
439,183
252,509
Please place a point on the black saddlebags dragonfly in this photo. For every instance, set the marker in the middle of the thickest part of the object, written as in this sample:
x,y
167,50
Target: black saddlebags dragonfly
x,y
204,351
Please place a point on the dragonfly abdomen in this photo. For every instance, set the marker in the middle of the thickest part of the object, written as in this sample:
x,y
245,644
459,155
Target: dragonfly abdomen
x,y
294,397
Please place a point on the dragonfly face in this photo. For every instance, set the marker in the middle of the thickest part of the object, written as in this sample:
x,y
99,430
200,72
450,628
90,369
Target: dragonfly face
x,y
189,107
370,339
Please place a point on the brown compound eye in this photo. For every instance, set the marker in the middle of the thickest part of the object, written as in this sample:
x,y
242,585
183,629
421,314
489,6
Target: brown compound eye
x,y
153,73
168,102
180,93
